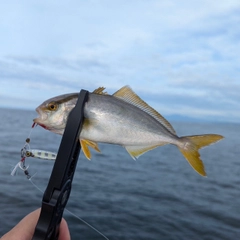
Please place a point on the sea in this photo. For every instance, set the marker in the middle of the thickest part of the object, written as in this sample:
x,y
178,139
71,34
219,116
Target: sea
x,y
157,197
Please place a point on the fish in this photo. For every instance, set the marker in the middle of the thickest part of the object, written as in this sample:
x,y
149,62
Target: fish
x,y
122,118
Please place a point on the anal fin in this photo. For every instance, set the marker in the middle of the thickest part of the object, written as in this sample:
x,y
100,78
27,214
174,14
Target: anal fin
x,y
136,151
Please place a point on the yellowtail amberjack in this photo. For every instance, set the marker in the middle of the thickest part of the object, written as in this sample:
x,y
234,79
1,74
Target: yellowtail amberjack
x,y
124,119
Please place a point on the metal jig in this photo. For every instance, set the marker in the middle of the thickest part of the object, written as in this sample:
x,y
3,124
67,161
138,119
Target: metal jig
x,y
26,152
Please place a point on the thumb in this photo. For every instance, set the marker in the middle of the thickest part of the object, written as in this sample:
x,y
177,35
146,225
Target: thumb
x,y
24,230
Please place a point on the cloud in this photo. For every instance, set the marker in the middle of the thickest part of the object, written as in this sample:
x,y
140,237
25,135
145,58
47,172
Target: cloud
x,y
181,57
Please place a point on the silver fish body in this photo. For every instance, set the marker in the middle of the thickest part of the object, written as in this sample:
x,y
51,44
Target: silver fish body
x,y
111,120
124,119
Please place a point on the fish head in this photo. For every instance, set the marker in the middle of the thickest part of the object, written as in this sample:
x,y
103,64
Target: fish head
x,y
53,113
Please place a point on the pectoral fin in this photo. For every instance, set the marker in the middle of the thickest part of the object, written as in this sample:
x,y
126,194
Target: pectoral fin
x,y
136,151
87,143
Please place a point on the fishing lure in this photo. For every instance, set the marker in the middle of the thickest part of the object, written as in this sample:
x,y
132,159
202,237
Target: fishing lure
x,y
45,155
26,152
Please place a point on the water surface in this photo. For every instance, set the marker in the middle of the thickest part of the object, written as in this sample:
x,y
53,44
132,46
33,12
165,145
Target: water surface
x,y
158,196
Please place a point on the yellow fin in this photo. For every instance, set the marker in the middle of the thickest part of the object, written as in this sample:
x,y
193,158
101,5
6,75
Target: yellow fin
x,y
192,144
86,123
136,151
85,149
100,91
92,144
127,95
84,144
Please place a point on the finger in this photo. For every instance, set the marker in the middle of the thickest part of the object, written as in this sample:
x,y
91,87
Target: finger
x,y
64,233
25,228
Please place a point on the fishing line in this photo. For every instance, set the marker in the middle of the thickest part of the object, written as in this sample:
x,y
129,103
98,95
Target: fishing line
x,y
28,138
74,215
93,228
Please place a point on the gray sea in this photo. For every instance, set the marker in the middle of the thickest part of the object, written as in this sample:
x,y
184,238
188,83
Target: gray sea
x,y
158,196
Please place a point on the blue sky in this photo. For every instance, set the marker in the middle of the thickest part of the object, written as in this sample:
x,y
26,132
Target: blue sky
x,y
182,57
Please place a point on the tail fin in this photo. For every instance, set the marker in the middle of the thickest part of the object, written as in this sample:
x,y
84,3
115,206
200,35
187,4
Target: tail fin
x,y
190,146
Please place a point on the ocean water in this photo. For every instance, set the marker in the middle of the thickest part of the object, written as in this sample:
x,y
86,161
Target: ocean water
x,y
158,196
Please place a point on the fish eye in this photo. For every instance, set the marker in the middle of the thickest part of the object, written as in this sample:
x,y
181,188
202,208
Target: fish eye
x,y
52,106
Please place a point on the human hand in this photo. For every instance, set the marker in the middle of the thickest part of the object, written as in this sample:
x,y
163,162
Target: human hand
x,y
24,230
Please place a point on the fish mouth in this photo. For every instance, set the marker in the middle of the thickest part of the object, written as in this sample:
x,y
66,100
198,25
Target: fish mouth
x,y
41,119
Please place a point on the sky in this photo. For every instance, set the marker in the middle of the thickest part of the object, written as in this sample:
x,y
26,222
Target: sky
x,y
180,56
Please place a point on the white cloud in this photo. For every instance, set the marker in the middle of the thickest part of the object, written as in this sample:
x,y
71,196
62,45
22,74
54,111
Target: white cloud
x,y
180,56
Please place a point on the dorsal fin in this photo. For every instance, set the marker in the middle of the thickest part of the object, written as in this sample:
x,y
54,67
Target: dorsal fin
x,y
127,95
100,91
